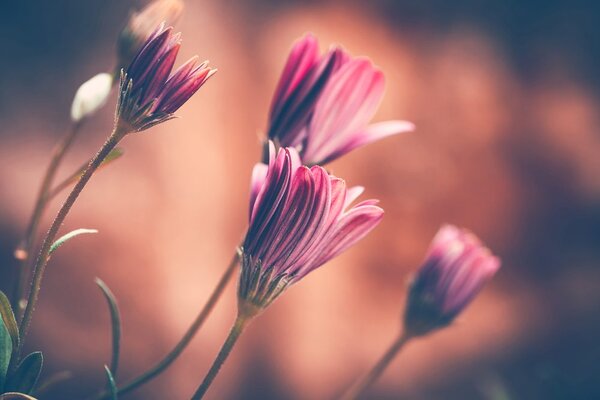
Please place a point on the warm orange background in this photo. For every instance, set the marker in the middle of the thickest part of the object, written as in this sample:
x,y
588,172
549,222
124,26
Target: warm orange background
x,y
505,98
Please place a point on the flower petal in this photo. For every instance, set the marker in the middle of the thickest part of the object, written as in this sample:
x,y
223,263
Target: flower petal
x,y
303,56
346,105
259,174
289,123
370,134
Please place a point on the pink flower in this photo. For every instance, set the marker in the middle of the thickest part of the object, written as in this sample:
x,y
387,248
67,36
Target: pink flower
x,y
300,218
455,269
323,103
149,92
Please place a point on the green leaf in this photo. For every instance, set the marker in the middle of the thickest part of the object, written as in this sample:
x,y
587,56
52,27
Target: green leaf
x,y
61,240
112,386
27,374
6,348
115,319
8,317
16,396
115,154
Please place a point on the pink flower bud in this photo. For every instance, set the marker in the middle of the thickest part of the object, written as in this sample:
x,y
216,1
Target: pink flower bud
x,y
149,92
455,269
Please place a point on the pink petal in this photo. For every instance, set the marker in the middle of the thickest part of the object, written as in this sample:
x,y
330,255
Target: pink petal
x,y
352,194
317,222
289,123
271,194
351,228
259,174
370,134
304,55
288,227
346,105
158,77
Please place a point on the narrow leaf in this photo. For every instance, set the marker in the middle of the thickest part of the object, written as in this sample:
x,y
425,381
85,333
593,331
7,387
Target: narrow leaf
x,y
69,236
115,319
6,348
16,396
115,154
112,386
8,317
27,374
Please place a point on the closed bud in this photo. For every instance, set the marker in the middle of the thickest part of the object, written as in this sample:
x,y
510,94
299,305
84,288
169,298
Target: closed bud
x,y
90,96
455,269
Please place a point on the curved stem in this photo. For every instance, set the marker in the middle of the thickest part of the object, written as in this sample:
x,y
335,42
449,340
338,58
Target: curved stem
x,y
361,385
185,340
23,252
43,257
236,330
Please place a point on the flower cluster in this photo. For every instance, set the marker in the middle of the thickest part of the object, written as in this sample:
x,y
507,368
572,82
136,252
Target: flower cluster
x,y
300,215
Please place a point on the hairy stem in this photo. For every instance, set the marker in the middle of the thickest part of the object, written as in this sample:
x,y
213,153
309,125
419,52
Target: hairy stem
x,y
236,330
43,257
23,252
367,380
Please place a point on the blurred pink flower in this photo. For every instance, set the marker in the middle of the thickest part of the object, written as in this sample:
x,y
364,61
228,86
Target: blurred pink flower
x,y
149,93
300,218
455,269
323,103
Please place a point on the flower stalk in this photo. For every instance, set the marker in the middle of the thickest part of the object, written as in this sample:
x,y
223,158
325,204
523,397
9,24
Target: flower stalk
x,y
23,252
163,364
40,265
245,315
370,377
455,269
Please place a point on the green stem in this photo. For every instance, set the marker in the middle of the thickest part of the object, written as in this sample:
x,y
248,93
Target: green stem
x,y
43,257
185,340
236,330
361,385
23,252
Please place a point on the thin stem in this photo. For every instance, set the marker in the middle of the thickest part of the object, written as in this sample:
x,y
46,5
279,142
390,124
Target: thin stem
x,y
185,340
43,257
23,252
236,330
361,385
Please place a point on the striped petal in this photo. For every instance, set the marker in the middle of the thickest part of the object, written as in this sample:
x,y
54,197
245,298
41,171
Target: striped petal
x,y
298,222
346,106
456,268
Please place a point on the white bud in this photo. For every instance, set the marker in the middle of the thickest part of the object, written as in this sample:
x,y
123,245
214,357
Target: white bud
x,y
90,96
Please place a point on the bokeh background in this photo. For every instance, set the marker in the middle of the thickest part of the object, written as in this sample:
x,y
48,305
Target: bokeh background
x,y
505,98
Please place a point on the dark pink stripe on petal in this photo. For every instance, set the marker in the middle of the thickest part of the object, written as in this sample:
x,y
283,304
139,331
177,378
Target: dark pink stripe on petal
x,y
303,56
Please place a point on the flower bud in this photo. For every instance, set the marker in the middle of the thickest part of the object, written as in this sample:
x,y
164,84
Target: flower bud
x,y
150,91
455,269
90,96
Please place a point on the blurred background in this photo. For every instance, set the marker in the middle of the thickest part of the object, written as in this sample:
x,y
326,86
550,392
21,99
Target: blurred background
x,y
505,98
